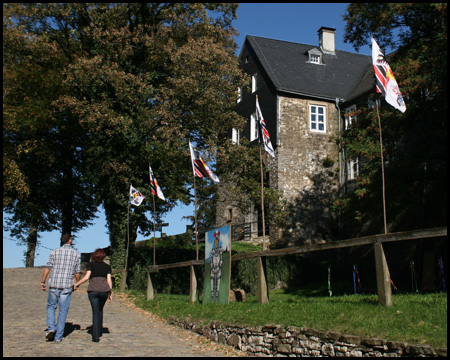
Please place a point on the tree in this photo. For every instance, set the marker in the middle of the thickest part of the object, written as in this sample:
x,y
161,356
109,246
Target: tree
x,y
414,142
133,82
157,75
43,150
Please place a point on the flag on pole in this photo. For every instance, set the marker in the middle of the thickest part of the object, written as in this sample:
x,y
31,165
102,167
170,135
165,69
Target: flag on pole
x,y
199,167
386,83
135,197
263,134
156,190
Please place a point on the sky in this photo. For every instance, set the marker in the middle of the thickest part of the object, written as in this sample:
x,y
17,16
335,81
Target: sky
x,y
293,22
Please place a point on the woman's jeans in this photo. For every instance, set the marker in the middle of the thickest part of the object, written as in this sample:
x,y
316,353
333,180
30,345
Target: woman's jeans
x,y
97,299
55,296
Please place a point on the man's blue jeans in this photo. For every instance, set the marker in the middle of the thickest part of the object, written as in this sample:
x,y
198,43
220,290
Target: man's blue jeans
x,y
55,297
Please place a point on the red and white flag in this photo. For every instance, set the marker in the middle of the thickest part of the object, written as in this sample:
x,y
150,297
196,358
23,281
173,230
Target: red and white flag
x,y
199,167
263,134
135,197
156,190
386,83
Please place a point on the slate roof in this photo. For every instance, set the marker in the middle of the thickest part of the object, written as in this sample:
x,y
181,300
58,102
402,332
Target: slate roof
x,y
285,63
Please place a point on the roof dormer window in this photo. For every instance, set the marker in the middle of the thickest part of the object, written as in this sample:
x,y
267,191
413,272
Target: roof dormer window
x,y
314,56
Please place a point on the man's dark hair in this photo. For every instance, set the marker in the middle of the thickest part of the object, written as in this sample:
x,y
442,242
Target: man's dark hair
x,y
65,238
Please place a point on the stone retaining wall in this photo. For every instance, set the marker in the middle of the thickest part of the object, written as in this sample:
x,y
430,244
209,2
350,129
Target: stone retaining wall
x,y
273,340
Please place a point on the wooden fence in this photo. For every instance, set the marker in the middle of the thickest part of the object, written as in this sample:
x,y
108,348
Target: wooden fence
x,y
382,270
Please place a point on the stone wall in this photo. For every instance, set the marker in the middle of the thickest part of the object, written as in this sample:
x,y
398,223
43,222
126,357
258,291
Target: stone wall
x,y
307,171
273,340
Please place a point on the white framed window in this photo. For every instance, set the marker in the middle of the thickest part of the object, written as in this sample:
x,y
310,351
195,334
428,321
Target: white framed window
x,y
352,169
253,127
254,82
317,118
350,116
235,136
315,59
314,56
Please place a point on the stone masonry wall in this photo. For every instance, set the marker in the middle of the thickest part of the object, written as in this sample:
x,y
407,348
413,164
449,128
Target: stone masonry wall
x,y
273,340
307,170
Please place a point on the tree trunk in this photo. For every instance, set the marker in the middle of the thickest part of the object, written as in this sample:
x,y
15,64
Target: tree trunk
x,y
116,220
67,212
67,193
31,248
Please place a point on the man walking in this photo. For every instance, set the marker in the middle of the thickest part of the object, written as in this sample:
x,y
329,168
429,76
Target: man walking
x,y
64,263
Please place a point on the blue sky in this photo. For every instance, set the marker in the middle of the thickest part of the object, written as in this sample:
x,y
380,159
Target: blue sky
x,y
294,22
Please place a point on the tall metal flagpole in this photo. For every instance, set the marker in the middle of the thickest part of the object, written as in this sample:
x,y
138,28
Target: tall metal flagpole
x,y
382,171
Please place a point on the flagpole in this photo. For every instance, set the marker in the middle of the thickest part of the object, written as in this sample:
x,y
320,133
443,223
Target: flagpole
x,y
382,171
260,136
262,198
261,140
195,218
128,235
154,231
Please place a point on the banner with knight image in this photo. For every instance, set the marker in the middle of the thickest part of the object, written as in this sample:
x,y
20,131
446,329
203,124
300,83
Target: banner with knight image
x,y
217,265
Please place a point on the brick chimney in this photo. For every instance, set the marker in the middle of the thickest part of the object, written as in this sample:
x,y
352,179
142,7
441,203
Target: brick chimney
x,y
326,39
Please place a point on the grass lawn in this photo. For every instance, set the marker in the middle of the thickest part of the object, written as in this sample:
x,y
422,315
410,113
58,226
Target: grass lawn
x,y
413,318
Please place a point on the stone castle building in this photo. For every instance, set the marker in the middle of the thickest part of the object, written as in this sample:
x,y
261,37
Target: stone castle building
x,y
302,90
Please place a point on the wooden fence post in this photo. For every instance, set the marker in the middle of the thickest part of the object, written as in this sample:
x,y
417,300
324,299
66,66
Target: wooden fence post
x,y
150,291
262,290
193,285
383,276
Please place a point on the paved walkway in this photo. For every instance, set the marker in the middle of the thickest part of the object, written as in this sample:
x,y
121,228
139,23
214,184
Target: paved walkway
x,y
126,331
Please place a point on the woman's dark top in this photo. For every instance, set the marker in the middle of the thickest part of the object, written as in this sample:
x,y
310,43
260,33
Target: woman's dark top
x,y
99,269
97,280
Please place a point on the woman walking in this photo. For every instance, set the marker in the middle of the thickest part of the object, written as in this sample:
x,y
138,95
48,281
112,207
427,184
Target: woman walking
x,y
99,290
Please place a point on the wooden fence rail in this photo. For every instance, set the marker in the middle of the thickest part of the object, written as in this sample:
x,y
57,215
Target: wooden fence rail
x,y
117,271
367,240
383,277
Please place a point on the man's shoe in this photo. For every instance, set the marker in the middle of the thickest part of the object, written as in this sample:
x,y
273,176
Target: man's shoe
x,y
50,335
59,340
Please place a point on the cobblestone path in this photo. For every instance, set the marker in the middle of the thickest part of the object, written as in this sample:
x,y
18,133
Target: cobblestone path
x,y
126,331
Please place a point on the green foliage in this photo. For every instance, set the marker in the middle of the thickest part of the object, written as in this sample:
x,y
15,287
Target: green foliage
x,y
279,270
116,279
327,162
168,250
240,175
36,132
285,270
116,87
414,142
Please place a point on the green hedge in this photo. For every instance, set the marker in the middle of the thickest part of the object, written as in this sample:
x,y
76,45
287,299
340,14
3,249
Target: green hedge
x,y
284,269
